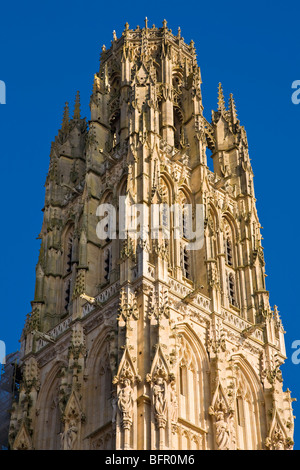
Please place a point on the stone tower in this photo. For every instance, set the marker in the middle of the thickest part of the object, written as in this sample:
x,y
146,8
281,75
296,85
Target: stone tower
x,y
136,341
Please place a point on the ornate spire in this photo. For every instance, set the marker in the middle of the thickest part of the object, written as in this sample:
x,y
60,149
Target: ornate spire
x,y
76,114
66,118
221,100
232,109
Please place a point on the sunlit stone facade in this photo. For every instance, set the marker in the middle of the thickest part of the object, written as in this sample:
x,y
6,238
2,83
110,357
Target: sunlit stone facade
x,y
140,343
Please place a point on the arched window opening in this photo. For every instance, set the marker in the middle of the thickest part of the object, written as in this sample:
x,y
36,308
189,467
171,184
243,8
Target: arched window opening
x,y
188,384
67,297
228,244
185,263
245,415
100,391
229,256
183,380
240,412
107,264
67,271
68,253
183,387
178,129
109,229
50,413
231,288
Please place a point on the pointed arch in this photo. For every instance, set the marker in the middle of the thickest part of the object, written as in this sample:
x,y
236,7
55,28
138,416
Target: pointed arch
x,y
213,212
72,418
186,191
122,186
106,196
232,223
250,418
191,376
99,391
230,237
49,414
167,180
23,439
277,437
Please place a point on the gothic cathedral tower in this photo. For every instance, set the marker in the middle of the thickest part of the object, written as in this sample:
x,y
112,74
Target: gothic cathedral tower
x,y
138,342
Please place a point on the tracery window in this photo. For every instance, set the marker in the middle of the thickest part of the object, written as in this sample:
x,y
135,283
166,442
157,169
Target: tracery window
x,y
245,414
188,384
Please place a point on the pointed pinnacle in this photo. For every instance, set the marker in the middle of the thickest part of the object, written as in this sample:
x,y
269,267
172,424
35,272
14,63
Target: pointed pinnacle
x,y
76,114
232,108
66,118
221,100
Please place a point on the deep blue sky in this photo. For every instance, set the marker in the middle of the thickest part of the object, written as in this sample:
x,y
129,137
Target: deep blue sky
x,y
50,49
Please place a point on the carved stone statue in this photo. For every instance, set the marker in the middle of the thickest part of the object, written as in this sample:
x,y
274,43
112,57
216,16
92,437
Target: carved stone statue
x,y
222,431
159,399
222,425
173,403
68,437
125,400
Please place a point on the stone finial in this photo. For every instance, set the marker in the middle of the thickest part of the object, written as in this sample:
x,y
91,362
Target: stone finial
x,y
232,109
66,118
76,114
221,100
